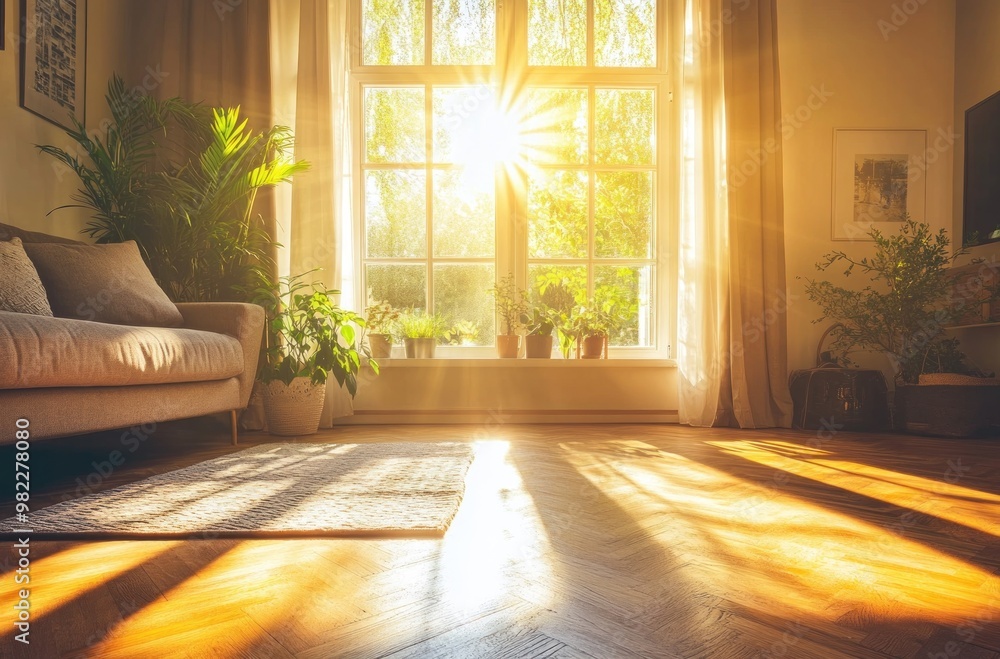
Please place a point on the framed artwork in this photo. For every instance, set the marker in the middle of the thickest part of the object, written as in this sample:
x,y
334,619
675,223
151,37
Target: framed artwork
x,y
879,177
53,59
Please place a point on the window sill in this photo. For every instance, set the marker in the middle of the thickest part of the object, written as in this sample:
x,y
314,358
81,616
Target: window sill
x,y
496,362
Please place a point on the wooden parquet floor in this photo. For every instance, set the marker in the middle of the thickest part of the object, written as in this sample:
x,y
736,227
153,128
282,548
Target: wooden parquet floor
x,y
572,541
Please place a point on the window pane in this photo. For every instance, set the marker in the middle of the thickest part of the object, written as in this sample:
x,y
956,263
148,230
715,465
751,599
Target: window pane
x,y
624,130
393,32
464,32
557,33
394,125
464,214
461,117
554,128
402,286
461,299
625,32
560,287
395,214
632,287
557,215
623,217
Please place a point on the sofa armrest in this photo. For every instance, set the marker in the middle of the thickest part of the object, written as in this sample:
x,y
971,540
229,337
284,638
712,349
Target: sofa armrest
x,y
244,322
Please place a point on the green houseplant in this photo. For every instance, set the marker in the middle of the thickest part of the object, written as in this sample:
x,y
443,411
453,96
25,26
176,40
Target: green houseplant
x,y
511,304
310,339
903,310
420,332
181,180
540,325
594,324
380,318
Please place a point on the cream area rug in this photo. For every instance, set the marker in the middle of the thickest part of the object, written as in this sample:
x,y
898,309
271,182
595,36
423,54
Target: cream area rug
x,y
276,490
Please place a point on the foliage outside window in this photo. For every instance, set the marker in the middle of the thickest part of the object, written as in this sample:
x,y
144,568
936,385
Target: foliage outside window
x,y
535,153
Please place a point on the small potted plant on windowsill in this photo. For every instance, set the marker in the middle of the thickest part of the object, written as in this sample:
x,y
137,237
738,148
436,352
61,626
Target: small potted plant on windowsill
x,y
595,323
311,338
380,318
420,332
539,326
511,305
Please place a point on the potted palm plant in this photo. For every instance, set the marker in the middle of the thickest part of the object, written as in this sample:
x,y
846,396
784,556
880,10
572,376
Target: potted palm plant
x,y
310,338
420,332
181,180
380,318
539,326
511,305
903,311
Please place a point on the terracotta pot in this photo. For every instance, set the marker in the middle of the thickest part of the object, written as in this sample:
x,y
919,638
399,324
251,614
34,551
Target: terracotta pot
x,y
381,345
538,346
419,348
508,345
293,409
592,347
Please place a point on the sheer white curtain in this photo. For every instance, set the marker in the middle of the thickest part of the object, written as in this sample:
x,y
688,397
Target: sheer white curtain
x,y
732,345
309,60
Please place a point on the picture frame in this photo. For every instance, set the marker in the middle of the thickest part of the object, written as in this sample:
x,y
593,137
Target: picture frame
x,y
879,177
53,36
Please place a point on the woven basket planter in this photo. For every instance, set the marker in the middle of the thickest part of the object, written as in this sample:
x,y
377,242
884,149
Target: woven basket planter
x,y
293,409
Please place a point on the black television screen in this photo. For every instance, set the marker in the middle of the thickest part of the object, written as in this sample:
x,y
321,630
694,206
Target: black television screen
x,y
981,219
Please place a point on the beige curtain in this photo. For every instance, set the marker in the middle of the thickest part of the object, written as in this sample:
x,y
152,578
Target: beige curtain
x,y
309,67
732,353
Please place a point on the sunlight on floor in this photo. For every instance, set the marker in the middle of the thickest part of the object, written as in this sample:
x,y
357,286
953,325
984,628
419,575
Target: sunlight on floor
x,y
773,550
496,528
60,578
949,501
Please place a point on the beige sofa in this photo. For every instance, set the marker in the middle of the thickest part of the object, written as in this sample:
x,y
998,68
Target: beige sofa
x,y
69,376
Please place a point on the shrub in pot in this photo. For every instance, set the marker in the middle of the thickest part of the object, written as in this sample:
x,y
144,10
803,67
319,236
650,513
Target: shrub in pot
x,y
902,311
539,326
420,332
511,305
380,318
310,339
594,324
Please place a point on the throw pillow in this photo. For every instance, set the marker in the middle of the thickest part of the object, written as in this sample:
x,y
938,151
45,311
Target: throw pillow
x,y
20,288
104,283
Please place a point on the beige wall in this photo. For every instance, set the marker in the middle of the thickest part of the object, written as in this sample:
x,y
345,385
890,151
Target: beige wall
x,y
30,184
879,77
977,76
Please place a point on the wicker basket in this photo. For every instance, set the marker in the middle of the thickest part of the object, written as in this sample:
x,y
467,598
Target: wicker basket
x,y
949,410
293,409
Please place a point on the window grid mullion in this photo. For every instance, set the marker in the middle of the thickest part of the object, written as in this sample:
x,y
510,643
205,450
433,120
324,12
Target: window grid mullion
x,y
591,176
429,186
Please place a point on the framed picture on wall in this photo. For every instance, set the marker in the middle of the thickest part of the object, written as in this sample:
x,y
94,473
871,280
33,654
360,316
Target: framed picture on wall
x,y
879,177
53,59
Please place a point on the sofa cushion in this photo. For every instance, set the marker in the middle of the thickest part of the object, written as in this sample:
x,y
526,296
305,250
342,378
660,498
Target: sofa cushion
x,y
20,288
104,283
7,232
38,351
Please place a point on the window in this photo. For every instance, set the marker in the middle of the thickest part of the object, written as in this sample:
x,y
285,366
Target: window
x,y
524,137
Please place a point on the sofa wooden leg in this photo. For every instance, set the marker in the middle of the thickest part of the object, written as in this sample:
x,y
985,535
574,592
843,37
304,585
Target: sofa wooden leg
x,y
233,422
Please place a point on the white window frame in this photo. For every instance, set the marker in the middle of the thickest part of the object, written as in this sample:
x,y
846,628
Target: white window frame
x,y
511,204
